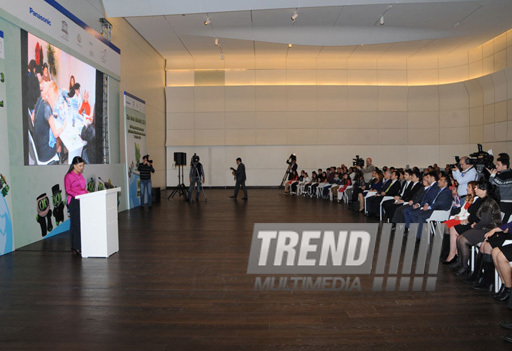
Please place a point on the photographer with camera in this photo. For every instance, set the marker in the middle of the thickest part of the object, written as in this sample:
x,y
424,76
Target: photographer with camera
x,y
463,173
502,178
145,169
367,171
196,176
292,166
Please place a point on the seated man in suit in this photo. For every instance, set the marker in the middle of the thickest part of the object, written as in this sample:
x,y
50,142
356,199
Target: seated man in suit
x,y
390,188
428,197
410,187
442,201
398,216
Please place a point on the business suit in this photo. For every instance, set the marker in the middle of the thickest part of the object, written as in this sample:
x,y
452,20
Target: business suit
x,y
428,198
442,201
390,188
390,207
240,180
398,216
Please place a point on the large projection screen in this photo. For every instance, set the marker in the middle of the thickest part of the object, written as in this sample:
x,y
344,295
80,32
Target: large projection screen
x,y
62,100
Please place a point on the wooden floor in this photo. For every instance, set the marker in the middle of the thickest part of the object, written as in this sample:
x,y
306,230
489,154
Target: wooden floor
x,y
179,282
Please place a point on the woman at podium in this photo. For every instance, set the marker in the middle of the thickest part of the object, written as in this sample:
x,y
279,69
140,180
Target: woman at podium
x,y
75,185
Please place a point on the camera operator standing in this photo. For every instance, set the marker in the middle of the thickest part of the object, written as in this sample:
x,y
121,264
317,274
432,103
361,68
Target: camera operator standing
x,y
463,173
145,169
502,178
292,166
196,175
367,171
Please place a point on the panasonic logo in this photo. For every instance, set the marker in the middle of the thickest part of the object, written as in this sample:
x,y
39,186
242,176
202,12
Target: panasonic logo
x,y
40,17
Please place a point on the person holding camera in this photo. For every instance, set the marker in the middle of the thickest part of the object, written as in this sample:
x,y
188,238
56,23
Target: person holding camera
x,y
145,169
292,167
463,173
196,176
501,176
240,178
367,171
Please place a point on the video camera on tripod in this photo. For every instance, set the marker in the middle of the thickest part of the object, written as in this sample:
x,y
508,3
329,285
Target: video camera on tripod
x,y
358,161
292,158
480,159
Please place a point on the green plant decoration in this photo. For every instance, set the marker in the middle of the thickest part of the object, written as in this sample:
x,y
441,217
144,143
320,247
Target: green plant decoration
x,y
51,60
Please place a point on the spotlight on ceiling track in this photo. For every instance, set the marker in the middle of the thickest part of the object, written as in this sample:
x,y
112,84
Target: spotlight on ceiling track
x,y
381,20
290,45
207,22
294,16
216,41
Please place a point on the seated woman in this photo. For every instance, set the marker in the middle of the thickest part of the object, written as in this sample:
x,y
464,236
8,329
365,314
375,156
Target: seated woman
x,y
338,189
501,256
322,178
461,222
373,187
489,217
294,177
302,182
307,186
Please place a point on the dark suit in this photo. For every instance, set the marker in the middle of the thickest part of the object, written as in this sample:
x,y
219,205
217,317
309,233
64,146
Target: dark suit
x,y
390,189
407,195
442,201
398,217
240,179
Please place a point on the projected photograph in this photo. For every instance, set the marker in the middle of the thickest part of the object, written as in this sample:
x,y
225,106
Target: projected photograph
x,y
61,109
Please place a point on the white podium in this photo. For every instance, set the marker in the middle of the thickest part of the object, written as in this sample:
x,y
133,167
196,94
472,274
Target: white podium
x,y
98,223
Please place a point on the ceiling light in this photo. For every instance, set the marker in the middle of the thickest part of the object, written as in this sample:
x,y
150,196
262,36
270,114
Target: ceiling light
x,y
207,22
381,20
216,41
290,45
294,16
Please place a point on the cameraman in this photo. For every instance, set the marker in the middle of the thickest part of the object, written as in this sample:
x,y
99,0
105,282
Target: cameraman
x,y
292,166
196,175
145,169
463,174
502,178
367,171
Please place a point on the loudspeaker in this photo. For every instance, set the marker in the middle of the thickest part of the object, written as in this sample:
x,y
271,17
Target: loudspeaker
x,y
180,158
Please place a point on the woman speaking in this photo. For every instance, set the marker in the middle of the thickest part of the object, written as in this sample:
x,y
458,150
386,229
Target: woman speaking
x,y
75,185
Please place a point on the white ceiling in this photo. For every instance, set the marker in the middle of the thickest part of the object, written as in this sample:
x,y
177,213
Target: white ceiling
x,y
255,30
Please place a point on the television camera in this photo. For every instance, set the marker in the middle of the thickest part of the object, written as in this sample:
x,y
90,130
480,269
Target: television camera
x,y
358,161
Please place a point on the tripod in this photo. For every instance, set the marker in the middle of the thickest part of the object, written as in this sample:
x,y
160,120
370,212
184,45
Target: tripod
x,y
285,177
180,189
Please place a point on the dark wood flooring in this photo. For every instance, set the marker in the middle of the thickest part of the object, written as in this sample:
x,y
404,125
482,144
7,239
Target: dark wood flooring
x,y
179,282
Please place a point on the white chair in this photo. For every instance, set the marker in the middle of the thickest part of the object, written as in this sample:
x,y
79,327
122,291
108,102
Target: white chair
x,y
437,216
344,194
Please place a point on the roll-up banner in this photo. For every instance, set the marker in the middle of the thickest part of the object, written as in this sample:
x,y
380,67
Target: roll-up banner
x,y
135,136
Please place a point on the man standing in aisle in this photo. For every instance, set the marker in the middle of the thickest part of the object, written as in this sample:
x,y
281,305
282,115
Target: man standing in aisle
x,y
145,169
463,174
240,178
